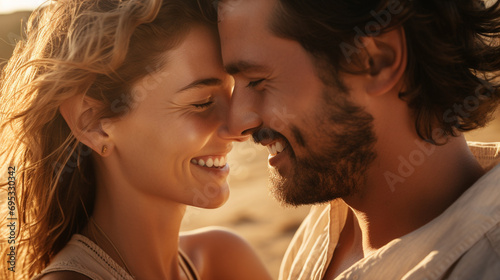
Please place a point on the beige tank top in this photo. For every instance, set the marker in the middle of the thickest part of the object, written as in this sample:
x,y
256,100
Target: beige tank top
x,y
85,257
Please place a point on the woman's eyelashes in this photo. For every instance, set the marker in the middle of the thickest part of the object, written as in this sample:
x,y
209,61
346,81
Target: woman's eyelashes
x,y
254,84
205,104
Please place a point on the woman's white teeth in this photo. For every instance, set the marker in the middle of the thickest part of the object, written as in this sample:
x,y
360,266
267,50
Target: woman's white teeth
x,y
275,148
211,162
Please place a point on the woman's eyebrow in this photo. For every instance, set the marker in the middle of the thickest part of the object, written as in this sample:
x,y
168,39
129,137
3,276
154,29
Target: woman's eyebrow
x,y
202,83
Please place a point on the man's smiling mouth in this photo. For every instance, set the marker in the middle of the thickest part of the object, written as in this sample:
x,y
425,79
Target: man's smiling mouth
x,y
275,148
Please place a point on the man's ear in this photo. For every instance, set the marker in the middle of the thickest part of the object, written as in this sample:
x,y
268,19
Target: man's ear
x,y
386,60
79,112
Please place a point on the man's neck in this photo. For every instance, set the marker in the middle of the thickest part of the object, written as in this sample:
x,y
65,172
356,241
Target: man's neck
x,y
405,192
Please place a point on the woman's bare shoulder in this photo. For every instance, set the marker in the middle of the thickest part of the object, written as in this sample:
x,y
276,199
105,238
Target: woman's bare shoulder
x,y
65,275
215,240
209,236
225,253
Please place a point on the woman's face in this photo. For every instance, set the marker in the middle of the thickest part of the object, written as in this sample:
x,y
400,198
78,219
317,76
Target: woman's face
x,y
173,144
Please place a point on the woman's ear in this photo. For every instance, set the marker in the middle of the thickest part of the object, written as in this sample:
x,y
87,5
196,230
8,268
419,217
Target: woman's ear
x,y
386,59
80,112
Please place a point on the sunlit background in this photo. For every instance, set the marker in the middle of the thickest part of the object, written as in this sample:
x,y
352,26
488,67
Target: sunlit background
x,y
9,6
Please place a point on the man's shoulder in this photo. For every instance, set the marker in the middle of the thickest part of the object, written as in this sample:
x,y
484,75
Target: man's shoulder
x,y
494,238
482,260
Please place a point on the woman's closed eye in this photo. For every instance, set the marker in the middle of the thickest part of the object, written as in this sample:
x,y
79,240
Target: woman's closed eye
x,y
255,83
205,104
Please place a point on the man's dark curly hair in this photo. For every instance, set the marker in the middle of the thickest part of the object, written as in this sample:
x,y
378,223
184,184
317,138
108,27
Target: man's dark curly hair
x,y
453,51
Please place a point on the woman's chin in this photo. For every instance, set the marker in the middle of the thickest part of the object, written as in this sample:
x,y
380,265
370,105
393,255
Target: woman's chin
x,y
212,196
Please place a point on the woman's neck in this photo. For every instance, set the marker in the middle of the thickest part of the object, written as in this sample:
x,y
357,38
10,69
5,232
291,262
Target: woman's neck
x,y
144,230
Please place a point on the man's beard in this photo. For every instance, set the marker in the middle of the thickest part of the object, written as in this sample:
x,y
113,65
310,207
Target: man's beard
x,y
339,151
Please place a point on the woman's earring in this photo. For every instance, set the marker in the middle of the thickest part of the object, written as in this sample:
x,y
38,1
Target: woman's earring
x,y
104,149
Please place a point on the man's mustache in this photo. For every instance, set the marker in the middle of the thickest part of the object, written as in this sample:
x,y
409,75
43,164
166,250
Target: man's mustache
x,y
266,134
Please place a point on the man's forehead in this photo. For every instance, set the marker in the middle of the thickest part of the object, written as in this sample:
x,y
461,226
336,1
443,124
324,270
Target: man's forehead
x,y
228,5
244,34
257,9
224,4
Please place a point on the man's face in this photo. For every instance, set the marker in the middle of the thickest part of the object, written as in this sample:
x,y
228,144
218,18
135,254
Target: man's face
x,y
320,141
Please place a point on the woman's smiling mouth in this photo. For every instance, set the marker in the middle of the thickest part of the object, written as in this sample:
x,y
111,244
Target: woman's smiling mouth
x,y
211,161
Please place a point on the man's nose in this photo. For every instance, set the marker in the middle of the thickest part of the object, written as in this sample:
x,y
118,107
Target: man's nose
x,y
243,118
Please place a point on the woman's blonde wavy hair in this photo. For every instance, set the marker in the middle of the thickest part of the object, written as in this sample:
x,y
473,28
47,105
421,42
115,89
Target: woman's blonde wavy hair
x,y
96,47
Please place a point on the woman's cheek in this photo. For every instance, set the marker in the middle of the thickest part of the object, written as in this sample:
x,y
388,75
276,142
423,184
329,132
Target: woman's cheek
x,y
197,130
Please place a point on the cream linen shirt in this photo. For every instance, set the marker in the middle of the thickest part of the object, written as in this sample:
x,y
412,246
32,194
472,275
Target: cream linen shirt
x,y
466,236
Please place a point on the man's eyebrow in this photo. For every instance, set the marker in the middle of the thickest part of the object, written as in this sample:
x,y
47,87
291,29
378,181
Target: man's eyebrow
x,y
244,66
202,83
